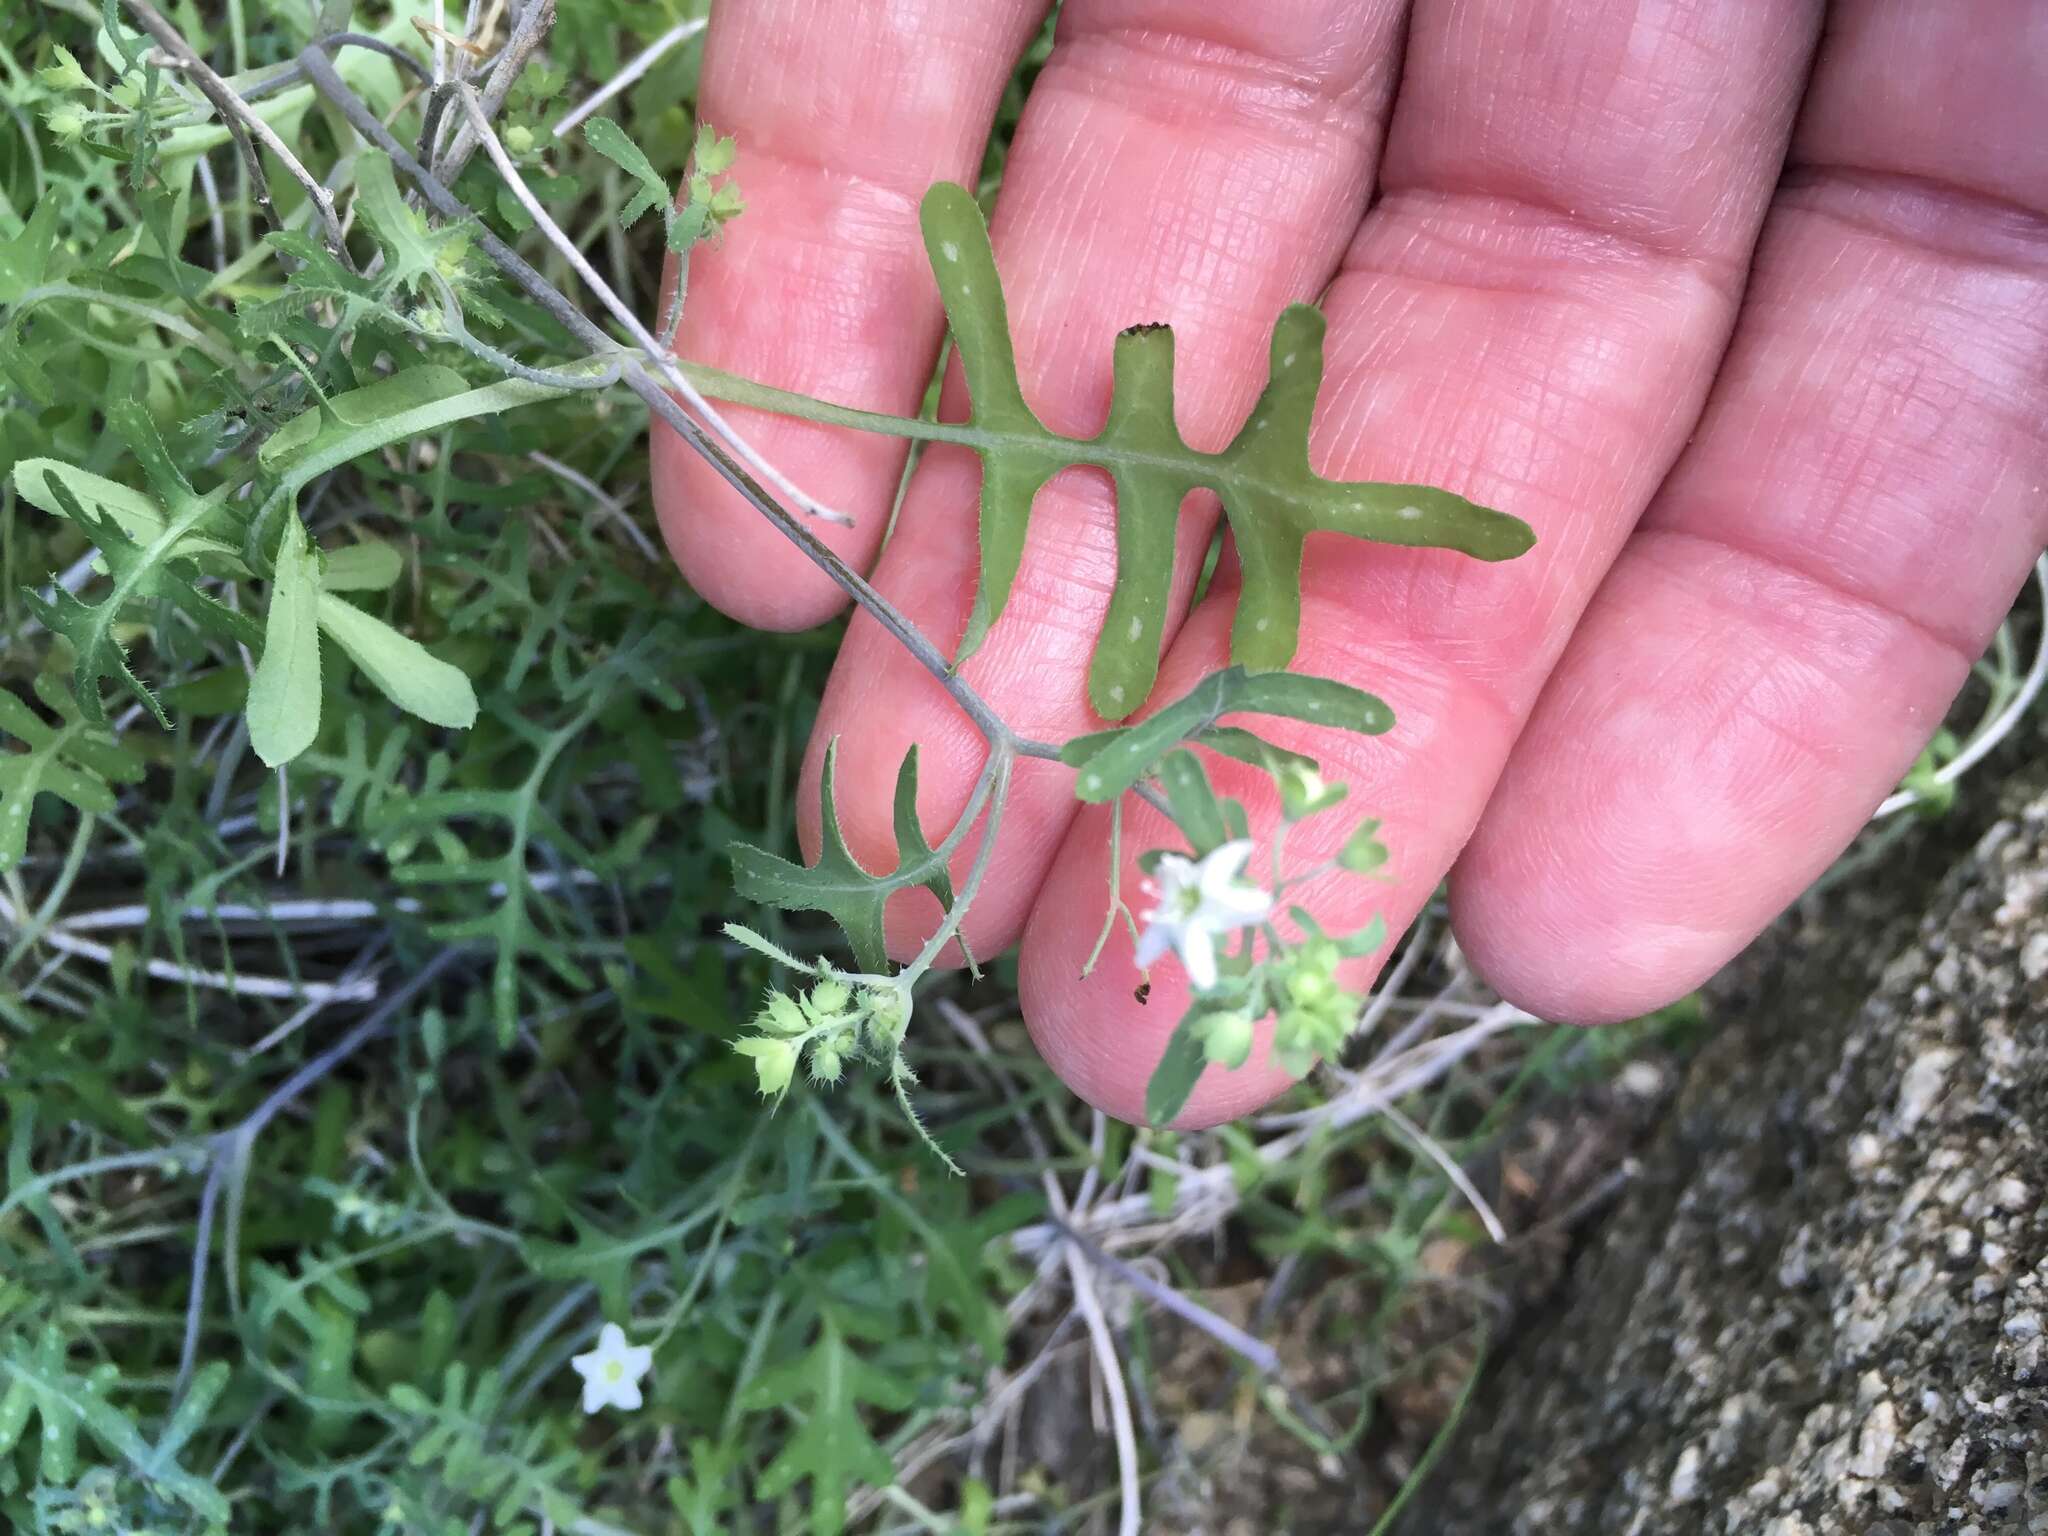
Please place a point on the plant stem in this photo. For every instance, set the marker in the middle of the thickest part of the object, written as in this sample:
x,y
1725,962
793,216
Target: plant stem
x,y
240,122
636,377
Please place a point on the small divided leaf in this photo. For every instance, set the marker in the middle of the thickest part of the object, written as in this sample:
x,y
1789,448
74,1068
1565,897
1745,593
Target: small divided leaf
x,y
836,884
611,141
72,760
832,1446
1111,761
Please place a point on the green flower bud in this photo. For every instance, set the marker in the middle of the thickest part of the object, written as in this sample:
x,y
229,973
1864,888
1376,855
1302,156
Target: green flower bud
x,y
781,1016
1227,1039
826,1063
828,1000
519,138
888,1017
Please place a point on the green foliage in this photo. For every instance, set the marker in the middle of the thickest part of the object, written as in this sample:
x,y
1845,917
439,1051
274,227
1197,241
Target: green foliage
x,y
837,885
72,760
507,1478
39,1384
1112,761
831,1447
1271,497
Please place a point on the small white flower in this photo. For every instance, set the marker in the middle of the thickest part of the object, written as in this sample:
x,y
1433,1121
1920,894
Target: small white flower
x,y
611,1372
1198,901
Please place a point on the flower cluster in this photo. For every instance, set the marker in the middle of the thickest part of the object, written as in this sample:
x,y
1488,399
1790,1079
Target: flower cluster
x,y
1202,901
833,1021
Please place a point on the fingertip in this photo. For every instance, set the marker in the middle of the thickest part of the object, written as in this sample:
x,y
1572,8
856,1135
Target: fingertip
x,y
729,552
1590,971
1104,1032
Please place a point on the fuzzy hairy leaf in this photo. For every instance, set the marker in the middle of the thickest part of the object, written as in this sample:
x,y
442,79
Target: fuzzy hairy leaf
x,y
611,141
836,884
140,572
405,672
414,247
62,490
370,566
1271,497
72,760
360,421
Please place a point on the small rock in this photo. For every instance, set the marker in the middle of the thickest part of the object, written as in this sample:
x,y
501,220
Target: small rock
x,y
2013,1195
1642,1079
1865,1152
1996,1498
1876,1441
1922,1085
2023,1326
1685,1477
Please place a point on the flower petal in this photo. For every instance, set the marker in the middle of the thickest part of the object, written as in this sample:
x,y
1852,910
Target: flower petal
x,y
1159,936
1198,956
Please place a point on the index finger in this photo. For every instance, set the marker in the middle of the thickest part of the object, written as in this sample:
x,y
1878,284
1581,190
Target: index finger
x,y
844,114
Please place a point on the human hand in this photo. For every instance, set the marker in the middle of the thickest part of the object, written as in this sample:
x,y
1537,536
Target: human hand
x,y
1762,356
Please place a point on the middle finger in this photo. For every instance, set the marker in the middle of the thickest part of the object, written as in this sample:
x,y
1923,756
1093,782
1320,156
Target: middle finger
x,y
1177,162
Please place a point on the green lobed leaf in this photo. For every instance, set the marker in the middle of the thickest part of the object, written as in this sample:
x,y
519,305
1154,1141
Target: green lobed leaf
x,y
141,572
832,1446
414,247
284,695
1112,761
837,885
1271,497
62,490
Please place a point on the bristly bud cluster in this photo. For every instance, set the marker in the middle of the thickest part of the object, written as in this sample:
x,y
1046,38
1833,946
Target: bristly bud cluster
x,y
834,1021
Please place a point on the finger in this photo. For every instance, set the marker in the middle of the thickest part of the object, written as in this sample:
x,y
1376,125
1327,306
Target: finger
x,y
1177,162
1864,499
1530,317
844,113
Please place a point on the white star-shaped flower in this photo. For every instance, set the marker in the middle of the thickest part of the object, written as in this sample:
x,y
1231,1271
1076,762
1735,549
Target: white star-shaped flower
x,y
611,1372
1198,901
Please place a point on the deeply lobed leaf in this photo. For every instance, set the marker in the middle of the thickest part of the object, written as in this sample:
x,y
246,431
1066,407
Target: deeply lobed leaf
x,y
1271,496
